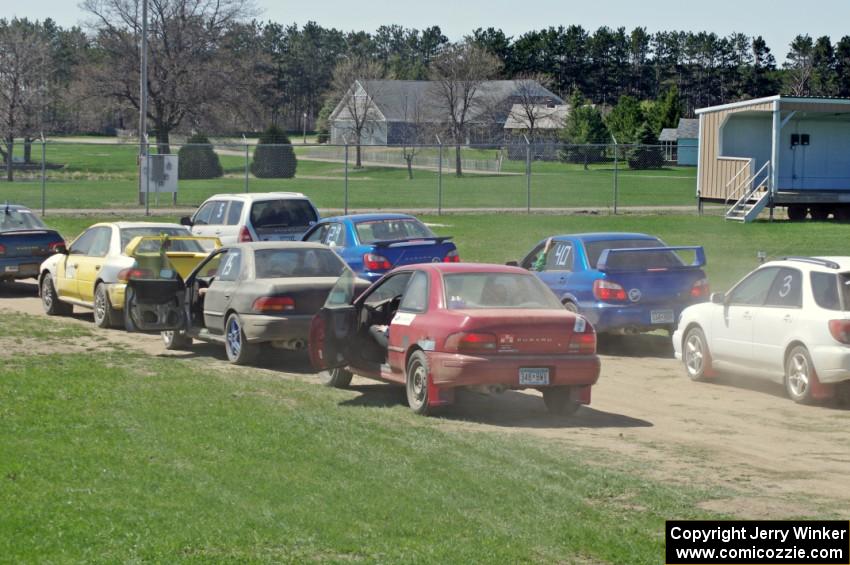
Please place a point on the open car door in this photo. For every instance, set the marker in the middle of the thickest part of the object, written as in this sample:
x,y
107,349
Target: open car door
x,y
155,298
334,326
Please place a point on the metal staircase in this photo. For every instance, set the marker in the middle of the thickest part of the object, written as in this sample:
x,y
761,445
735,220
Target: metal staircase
x,y
754,196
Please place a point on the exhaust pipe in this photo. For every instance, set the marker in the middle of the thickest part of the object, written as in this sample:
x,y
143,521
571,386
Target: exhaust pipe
x,y
291,345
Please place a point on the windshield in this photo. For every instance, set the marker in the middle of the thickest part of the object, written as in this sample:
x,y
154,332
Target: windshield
x,y
278,263
20,220
625,261
391,230
285,213
466,291
186,246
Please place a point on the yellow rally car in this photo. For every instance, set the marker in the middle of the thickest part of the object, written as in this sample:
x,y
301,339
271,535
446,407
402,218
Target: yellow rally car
x,y
94,271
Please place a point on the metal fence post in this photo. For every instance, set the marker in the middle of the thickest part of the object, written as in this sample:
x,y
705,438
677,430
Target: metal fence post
x,y
247,161
527,174
616,170
147,177
439,177
43,174
346,177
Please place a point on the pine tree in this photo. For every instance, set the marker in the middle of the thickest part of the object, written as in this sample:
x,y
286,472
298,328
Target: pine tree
x,y
648,154
274,157
585,133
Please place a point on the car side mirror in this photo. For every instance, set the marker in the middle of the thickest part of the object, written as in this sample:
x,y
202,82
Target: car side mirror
x,y
718,298
512,263
186,221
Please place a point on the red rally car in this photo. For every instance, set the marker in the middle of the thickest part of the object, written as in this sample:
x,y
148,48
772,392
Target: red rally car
x,y
439,326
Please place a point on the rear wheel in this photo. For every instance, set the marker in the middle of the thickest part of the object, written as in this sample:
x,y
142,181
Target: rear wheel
x,y
417,383
176,340
336,378
104,314
50,299
796,212
559,401
799,374
842,213
239,351
571,306
820,213
695,354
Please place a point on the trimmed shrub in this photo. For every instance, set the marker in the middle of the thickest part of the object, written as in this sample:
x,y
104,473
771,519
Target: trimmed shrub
x,y
197,160
274,157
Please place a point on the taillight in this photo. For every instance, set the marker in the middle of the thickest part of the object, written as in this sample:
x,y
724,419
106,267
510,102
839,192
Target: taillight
x,y
840,330
274,304
452,257
700,289
245,235
470,342
608,291
132,273
56,246
2,249
583,340
376,262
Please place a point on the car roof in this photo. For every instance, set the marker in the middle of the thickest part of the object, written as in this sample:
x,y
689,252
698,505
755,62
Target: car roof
x,y
448,268
817,263
369,217
255,245
17,207
606,236
259,196
125,225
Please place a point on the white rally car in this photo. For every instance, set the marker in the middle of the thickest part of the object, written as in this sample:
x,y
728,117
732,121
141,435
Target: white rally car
x,y
788,321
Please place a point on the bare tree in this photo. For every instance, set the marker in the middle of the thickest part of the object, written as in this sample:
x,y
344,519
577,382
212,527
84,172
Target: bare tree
x,y
357,97
25,68
186,70
458,72
532,102
414,130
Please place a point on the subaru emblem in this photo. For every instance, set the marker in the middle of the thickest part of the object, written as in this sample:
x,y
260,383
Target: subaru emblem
x,y
634,294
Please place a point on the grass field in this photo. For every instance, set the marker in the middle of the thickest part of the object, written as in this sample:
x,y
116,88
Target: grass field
x,y
104,176
731,248
119,457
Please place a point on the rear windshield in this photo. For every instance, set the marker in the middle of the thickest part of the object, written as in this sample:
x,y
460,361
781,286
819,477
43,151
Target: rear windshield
x,y
466,291
279,263
391,230
20,220
284,214
187,246
831,291
648,260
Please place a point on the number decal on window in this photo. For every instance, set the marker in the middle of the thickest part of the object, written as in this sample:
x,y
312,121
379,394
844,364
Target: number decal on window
x,y
228,265
333,233
786,286
562,253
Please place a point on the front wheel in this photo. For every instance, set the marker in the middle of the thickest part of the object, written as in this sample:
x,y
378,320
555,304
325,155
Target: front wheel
x,y
176,340
799,374
695,355
50,299
416,384
336,378
559,401
239,351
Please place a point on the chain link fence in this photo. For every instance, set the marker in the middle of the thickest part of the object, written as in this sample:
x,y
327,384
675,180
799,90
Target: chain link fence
x,y
522,177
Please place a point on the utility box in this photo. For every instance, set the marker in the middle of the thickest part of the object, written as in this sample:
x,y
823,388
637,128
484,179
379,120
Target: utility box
x,y
159,174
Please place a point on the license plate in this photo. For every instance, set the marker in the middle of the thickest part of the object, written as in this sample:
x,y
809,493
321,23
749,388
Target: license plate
x,y
11,268
534,376
661,317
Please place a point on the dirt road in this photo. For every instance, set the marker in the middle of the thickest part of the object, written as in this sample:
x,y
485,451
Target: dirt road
x,y
774,458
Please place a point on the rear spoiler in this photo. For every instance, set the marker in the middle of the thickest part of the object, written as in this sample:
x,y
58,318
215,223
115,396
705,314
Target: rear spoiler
x,y
27,232
412,241
165,240
605,257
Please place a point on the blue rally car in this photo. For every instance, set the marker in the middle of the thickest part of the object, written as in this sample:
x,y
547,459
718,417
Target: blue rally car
x,y
621,282
373,244
24,243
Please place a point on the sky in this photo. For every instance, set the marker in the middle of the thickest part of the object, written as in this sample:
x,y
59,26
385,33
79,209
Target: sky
x,y
777,20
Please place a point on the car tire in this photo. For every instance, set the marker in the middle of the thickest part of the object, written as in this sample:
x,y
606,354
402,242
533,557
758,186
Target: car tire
x,y
336,378
104,314
796,212
820,213
799,374
176,340
571,306
239,351
50,299
696,355
559,401
416,383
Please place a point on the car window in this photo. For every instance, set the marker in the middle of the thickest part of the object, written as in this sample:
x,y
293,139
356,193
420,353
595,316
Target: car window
x,y
282,263
19,220
292,213
786,290
210,268
231,263
560,257
466,291
831,291
202,216
529,260
416,295
389,288
318,234
336,235
83,243
100,244
219,213
752,291
184,245
391,229
234,213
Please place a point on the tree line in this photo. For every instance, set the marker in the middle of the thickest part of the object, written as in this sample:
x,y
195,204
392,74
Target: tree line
x,y
214,67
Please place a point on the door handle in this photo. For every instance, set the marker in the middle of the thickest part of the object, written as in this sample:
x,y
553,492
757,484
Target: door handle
x,y
75,265
97,267
227,296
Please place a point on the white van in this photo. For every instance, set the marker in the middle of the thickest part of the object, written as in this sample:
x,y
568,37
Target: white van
x,y
262,216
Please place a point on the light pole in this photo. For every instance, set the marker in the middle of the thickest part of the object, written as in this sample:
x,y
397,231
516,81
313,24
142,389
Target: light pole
x,y
304,128
143,105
